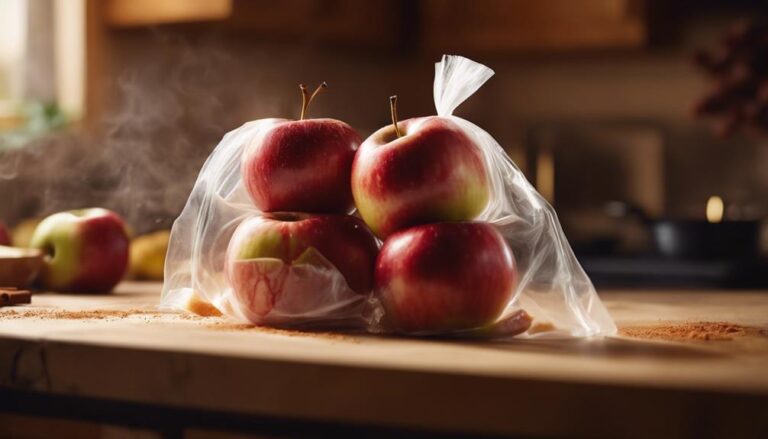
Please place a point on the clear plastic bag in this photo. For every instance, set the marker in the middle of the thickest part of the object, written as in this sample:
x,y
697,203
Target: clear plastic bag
x,y
552,286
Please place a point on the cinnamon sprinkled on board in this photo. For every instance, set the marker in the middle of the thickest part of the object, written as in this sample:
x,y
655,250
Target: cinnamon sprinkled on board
x,y
719,331
229,326
150,316
61,314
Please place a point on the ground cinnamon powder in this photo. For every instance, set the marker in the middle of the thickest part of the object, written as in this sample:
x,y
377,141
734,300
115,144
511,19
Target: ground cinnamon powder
x,y
60,314
148,315
721,331
225,325
716,331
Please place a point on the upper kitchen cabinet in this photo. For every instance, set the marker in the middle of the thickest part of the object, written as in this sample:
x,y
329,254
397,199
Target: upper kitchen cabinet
x,y
369,23
129,13
529,26
433,25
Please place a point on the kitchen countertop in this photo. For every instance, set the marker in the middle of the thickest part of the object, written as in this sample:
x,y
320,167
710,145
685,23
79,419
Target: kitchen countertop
x,y
614,387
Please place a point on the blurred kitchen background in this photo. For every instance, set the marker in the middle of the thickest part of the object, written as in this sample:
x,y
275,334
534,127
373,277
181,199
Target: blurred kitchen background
x,y
117,103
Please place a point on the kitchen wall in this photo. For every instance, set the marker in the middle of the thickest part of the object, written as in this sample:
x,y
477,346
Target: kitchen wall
x,y
174,91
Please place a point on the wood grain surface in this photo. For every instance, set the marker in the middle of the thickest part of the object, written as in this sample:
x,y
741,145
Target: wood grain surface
x,y
119,347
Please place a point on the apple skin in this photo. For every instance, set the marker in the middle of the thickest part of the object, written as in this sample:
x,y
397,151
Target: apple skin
x,y
5,237
88,250
433,173
302,166
444,277
285,238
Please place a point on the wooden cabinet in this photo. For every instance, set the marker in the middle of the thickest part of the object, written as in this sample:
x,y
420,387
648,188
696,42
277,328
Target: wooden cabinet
x,y
127,13
521,25
432,25
347,22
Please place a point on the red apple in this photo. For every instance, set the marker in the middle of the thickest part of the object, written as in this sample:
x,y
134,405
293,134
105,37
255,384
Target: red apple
x,y
301,165
287,257
418,171
445,277
87,250
5,237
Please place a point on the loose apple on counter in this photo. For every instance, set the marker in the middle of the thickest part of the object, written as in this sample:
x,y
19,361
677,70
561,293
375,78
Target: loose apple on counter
x,y
445,277
86,250
301,165
147,260
264,248
418,171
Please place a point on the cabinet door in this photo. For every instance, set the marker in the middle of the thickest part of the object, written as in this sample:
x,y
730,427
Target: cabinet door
x,y
523,25
370,23
127,13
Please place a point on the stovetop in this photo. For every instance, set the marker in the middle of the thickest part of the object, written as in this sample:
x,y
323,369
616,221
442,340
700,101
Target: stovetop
x,y
661,272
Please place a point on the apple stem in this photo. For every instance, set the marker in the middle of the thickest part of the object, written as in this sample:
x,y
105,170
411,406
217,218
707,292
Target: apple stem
x,y
393,110
306,99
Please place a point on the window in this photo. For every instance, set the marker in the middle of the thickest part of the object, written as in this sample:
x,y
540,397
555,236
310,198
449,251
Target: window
x,y
41,67
12,45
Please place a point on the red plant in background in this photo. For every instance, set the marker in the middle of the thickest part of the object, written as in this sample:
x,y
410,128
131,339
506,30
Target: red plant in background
x,y
739,68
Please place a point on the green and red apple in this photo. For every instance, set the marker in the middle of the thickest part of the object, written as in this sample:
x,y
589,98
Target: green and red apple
x,y
87,250
301,165
419,171
265,249
445,277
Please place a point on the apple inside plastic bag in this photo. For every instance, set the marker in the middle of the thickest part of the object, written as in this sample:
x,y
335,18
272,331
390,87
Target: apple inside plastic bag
x,y
552,289
309,291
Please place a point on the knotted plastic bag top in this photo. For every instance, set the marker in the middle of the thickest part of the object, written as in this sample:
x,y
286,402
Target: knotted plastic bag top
x,y
553,287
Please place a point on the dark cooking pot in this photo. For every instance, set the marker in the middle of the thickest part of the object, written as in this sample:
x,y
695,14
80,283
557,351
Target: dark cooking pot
x,y
699,239
694,239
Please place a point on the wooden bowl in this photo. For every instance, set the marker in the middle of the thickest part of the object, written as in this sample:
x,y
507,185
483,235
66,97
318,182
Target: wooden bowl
x,y
19,266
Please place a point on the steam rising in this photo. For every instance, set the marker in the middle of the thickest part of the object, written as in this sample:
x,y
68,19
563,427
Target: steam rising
x,y
145,158
173,96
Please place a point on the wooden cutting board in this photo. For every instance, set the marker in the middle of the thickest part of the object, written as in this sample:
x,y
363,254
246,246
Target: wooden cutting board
x,y
119,347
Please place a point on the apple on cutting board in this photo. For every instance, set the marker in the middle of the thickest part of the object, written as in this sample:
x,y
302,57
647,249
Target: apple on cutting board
x,y
301,165
445,277
418,171
86,250
264,246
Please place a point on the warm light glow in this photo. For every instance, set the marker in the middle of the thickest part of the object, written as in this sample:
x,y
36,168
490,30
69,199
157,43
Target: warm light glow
x,y
69,40
13,31
715,209
545,174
